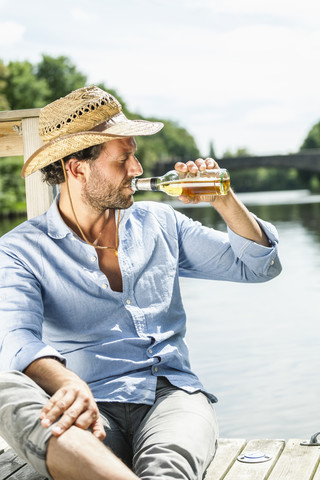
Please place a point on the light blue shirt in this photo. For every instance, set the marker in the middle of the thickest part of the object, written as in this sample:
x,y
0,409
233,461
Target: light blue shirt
x,y
55,301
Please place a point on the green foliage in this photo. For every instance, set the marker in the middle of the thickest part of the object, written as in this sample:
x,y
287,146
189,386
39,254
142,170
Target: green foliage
x,y
212,153
173,142
178,141
4,105
23,89
314,184
32,86
60,75
312,140
12,187
240,152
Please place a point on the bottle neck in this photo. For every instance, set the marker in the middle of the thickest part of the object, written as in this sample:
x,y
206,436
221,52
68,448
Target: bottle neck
x,y
145,184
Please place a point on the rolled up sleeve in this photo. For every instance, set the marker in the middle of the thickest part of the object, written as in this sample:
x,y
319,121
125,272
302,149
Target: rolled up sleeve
x,y
21,347
211,254
264,261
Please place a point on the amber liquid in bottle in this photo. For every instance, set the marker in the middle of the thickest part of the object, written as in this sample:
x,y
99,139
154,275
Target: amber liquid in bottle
x,y
191,187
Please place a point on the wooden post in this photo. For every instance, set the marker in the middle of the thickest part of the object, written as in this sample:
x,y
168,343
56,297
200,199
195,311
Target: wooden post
x,y
39,195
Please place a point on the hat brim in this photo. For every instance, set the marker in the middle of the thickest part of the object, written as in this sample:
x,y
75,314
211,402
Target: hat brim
x,y
74,142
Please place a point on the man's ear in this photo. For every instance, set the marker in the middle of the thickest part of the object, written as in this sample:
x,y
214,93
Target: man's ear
x,y
77,169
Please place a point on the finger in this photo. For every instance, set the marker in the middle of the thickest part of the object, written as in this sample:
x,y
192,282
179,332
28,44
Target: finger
x,y
87,417
56,398
211,163
192,167
98,429
70,416
55,407
181,167
185,199
201,164
52,411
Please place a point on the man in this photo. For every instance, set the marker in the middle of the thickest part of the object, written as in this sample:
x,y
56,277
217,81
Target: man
x,y
92,323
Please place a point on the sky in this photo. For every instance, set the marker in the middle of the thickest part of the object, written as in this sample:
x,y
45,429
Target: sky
x,y
238,73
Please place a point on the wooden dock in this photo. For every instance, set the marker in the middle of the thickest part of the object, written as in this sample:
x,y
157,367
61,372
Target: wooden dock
x,y
283,461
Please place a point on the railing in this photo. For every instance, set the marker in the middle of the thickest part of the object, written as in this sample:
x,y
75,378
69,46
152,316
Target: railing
x,y
19,136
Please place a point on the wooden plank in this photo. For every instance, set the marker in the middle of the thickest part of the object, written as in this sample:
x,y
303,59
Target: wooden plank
x,y
9,464
11,139
227,453
297,462
257,471
39,195
13,115
11,146
26,473
12,467
10,128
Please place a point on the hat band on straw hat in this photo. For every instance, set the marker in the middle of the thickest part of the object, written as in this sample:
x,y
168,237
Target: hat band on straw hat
x,y
120,117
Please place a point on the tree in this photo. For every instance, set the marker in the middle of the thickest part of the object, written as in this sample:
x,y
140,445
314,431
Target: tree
x,y
172,142
22,89
60,75
312,140
4,105
212,153
240,152
12,189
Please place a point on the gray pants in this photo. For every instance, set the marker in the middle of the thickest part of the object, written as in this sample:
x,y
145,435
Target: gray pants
x,y
175,438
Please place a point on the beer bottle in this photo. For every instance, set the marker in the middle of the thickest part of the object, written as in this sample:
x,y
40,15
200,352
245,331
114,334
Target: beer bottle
x,y
206,182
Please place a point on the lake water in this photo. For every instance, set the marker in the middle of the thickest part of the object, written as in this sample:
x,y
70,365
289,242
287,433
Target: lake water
x,y
256,347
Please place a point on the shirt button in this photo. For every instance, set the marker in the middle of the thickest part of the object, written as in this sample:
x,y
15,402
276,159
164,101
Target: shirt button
x,y
150,350
104,286
272,262
156,369
93,258
128,302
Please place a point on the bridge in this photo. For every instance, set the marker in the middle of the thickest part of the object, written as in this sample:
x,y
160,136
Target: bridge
x,y
308,160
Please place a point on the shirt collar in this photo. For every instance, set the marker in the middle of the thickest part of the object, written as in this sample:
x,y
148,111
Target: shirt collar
x,y
56,226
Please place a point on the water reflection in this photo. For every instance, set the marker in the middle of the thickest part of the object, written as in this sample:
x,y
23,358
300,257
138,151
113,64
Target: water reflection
x,y
307,215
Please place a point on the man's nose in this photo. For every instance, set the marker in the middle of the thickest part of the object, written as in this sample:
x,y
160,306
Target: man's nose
x,y
135,168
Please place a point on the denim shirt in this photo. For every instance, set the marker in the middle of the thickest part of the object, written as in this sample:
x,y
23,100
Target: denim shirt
x,y
55,301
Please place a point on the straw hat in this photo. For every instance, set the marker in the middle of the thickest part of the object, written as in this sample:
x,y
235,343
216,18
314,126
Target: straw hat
x,y
86,117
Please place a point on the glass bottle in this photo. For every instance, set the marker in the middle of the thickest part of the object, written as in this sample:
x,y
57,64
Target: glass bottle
x,y
206,182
